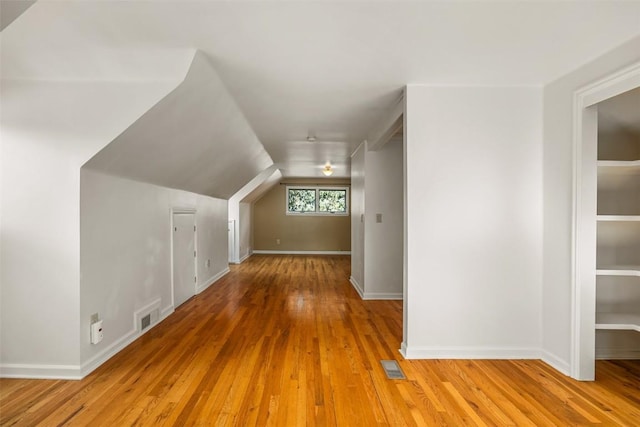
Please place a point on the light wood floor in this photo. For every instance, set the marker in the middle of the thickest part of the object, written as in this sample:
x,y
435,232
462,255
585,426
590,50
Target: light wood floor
x,y
286,341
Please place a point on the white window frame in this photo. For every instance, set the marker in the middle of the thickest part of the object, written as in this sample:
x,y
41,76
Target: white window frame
x,y
317,190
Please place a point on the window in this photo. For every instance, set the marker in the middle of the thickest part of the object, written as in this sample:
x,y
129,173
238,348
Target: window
x,y
317,201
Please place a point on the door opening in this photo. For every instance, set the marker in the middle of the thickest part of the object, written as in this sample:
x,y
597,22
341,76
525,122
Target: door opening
x,y
183,256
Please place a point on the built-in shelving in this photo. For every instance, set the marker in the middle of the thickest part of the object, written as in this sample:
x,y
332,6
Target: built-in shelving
x,y
618,167
618,270
619,218
618,245
618,321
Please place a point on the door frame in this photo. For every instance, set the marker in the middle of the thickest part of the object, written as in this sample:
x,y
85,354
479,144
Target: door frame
x,y
183,211
232,242
583,279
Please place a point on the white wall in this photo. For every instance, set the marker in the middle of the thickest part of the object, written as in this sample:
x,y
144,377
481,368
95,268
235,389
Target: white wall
x,y
357,218
377,248
558,198
241,215
48,130
125,229
474,222
383,242
244,230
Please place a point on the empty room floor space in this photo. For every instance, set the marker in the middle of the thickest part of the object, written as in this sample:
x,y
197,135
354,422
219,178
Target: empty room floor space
x,y
286,340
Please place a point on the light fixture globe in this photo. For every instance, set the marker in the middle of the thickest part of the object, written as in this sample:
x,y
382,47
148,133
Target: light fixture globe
x,y
327,171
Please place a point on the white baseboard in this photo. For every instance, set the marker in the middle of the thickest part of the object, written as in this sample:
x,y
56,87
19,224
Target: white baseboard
x,y
245,256
166,313
356,286
403,349
373,295
556,363
45,372
428,352
619,354
302,252
241,260
211,280
72,372
106,354
381,296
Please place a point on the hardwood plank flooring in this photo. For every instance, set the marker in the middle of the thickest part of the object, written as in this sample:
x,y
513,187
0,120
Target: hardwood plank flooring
x,y
286,341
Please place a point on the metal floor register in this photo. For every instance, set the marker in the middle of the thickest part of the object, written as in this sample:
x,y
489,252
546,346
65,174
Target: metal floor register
x,y
392,369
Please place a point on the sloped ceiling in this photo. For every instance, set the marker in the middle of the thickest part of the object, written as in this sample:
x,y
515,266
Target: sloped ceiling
x,y
10,10
326,69
261,190
195,139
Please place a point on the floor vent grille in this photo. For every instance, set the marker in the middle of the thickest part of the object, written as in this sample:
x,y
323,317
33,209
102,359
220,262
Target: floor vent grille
x,y
392,369
145,322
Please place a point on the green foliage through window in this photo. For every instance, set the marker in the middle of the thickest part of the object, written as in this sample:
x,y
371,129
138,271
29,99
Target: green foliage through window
x,y
332,201
319,201
302,200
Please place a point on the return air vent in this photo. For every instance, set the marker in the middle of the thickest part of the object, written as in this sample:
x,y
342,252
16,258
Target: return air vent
x,y
147,316
145,322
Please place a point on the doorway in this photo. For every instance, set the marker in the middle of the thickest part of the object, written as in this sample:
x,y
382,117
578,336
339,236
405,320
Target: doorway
x,y
184,256
604,226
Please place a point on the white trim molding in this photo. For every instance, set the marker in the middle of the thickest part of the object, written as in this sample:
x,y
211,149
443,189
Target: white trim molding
x,y
35,371
433,352
357,286
106,354
269,252
245,256
556,363
77,372
210,281
583,272
371,296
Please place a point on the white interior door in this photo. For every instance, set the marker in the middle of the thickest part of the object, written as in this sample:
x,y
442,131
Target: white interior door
x,y
184,265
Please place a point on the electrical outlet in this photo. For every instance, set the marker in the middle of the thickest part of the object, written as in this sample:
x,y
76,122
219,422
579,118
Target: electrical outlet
x,y
208,263
378,218
95,317
277,241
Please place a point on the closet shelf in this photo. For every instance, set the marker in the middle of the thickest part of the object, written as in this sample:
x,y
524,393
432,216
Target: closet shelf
x,y
618,218
618,321
618,270
618,167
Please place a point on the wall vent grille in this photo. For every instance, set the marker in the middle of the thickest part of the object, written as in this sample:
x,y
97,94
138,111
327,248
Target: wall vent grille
x,y
145,322
147,316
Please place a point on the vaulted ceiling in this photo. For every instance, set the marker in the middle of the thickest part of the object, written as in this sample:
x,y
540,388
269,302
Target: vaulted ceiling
x,y
312,68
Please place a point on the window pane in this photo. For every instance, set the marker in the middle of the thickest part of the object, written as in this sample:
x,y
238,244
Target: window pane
x,y
332,201
302,200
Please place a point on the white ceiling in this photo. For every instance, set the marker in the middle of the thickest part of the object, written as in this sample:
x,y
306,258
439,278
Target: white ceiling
x,y
327,68
195,139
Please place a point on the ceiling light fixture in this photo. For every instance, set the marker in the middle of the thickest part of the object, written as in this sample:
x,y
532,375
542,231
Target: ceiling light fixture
x,y
327,171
